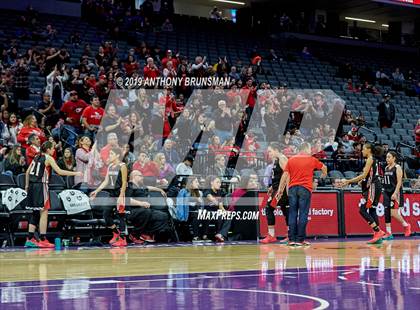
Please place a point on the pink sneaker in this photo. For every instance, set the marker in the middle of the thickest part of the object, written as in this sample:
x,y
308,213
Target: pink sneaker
x,y
114,239
268,239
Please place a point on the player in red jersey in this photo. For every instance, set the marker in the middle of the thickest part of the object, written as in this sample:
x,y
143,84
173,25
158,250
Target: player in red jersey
x,y
36,185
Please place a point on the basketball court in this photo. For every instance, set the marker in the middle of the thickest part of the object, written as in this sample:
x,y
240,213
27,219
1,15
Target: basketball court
x,y
329,274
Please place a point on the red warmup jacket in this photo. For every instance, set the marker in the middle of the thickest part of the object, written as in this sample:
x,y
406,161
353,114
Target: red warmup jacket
x,y
24,134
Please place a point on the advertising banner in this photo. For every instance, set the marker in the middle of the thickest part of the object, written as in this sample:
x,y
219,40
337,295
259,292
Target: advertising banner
x,y
356,225
323,215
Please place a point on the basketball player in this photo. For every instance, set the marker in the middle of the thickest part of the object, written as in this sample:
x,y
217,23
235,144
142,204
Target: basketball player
x,y
36,185
116,180
279,162
393,195
371,190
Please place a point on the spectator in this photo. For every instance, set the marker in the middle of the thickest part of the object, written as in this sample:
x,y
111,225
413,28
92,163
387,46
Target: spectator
x,y
171,155
145,165
166,171
223,121
381,77
30,126
150,71
305,53
82,159
198,69
398,78
170,58
55,86
233,74
4,134
15,162
14,127
215,14
47,113
386,112
72,111
91,117
188,202
21,76
67,162
185,168
167,26
111,121
34,147
131,66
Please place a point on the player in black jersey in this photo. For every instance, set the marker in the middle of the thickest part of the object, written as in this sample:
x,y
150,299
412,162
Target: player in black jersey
x,y
371,189
279,162
393,195
36,186
115,182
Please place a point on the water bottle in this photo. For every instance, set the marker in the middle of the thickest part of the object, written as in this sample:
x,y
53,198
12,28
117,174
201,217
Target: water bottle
x,y
57,243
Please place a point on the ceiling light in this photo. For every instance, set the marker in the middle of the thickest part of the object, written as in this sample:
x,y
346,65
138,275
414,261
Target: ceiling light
x,y
230,2
385,25
360,19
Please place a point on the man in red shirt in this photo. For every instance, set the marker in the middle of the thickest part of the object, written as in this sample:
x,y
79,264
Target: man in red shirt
x,y
299,171
92,116
150,70
72,111
169,57
34,147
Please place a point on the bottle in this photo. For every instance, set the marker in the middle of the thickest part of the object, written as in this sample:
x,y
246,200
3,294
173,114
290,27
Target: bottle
x,y
57,243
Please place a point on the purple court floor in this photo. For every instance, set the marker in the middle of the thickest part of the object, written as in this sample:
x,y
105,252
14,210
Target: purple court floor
x,y
338,288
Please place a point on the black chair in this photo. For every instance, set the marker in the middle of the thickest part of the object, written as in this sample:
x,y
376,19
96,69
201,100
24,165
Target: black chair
x,y
56,215
69,182
6,182
5,223
20,180
89,224
19,221
158,202
56,182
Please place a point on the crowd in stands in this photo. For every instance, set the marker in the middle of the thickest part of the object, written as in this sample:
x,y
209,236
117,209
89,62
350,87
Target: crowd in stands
x,y
76,112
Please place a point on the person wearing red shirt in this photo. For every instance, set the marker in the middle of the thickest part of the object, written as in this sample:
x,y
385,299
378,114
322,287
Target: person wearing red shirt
x,y
72,111
30,127
248,93
33,149
112,143
131,66
146,166
92,116
299,171
169,57
150,71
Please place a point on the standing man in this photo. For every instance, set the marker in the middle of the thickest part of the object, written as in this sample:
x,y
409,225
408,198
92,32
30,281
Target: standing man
x,y
386,111
299,171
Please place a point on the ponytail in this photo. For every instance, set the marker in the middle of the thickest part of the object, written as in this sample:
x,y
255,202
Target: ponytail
x,y
376,149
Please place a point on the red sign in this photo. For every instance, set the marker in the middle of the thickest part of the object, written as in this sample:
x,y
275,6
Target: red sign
x,y
356,225
323,217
